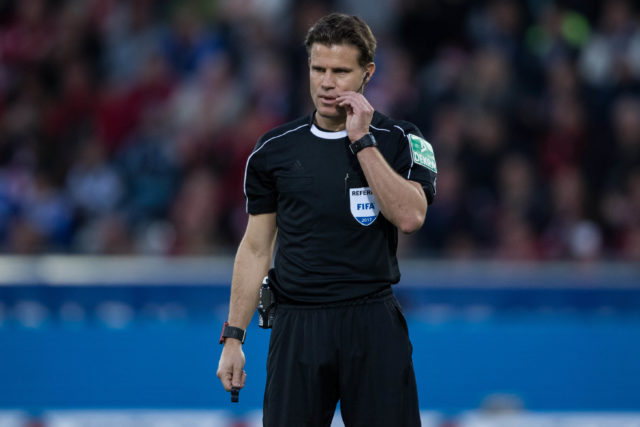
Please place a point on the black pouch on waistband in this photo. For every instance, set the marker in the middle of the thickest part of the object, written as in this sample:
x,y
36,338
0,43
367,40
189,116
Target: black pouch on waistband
x,y
266,305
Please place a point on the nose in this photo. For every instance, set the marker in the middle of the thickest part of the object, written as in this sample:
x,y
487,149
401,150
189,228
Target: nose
x,y
327,81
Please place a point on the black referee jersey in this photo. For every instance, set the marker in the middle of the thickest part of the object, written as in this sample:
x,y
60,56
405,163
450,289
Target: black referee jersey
x,y
332,242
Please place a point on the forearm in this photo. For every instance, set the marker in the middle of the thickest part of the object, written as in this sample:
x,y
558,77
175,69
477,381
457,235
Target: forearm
x,y
401,201
249,269
251,265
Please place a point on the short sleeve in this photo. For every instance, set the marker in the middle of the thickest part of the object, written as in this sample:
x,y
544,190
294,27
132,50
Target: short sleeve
x,y
259,185
416,160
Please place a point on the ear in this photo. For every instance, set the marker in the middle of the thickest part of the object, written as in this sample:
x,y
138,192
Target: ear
x,y
369,69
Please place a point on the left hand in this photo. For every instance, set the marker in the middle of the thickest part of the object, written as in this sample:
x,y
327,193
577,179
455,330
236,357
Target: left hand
x,y
231,364
359,114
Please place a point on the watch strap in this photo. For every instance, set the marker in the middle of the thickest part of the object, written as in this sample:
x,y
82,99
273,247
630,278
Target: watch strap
x,y
366,141
232,332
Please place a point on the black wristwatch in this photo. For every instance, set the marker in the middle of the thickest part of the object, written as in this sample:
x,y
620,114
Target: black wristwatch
x,y
366,141
232,332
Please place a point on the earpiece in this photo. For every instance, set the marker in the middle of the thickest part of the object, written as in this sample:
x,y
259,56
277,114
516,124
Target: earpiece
x,y
364,80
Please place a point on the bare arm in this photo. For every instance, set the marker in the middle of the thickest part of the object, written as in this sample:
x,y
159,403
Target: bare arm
x,y
251,265
401,201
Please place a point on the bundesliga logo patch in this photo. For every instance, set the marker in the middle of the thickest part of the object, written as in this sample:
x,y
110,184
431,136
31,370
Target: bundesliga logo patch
x,y
364,207
423,152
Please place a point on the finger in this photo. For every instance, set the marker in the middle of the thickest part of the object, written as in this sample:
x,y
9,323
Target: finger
x,y
225,379
237,380
346,99
244,378
349,105
346,104
343,100
347,108
358,103
348,92
355,96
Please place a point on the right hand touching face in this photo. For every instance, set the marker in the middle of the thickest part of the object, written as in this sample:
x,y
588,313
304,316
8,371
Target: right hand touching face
x,y
231,365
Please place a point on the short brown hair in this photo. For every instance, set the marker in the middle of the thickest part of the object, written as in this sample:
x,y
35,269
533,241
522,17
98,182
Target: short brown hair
x,y
338,28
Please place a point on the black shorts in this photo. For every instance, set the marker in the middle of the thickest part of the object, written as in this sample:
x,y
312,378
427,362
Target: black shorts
x,y
355,352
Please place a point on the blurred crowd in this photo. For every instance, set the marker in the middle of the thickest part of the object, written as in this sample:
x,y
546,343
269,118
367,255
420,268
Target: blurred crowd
x,y
125,124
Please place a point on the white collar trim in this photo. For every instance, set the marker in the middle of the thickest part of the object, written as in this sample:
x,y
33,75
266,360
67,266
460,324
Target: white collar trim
x,y
328,135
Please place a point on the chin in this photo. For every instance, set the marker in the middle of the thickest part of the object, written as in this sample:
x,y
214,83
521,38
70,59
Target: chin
x,y
330,113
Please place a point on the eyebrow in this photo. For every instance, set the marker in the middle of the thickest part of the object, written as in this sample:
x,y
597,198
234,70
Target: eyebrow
x,y
334,69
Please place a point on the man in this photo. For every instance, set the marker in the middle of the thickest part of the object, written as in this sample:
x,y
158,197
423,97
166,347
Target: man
x,y
336,186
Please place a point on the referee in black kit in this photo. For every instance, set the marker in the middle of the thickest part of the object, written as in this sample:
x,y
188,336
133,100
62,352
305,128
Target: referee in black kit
x,y
332,188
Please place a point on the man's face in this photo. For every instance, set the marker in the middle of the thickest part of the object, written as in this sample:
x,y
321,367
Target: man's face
x,y
332,70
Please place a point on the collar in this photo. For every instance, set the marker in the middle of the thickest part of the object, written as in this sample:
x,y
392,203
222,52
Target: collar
x,y
328,135
324,134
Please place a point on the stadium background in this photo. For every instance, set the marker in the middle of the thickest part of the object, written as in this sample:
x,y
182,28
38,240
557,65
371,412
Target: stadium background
x,y
124,129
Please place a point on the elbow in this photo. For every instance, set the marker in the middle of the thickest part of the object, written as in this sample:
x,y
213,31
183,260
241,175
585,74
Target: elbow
x,y
411,223
412,218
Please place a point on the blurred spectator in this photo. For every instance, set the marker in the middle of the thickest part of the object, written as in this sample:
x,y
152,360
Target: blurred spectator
x,y
557,35
568,216
125,125
196,213
631,248
498,24
189,42
132,33
487,83
94,185
45,216
202,106
72,110
612,55
451,217
382,18
401,99
150,171
26,38
516,239
626,135
24,238
566,140
109,234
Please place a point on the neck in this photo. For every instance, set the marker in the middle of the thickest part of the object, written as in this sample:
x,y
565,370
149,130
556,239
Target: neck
x,y
329,123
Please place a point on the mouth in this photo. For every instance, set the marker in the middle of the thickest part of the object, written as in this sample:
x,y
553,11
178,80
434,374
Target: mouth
x,y
329,100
